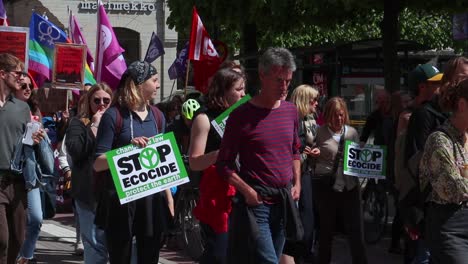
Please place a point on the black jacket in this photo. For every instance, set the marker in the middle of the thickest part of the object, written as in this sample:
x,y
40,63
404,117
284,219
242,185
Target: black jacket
x,y
81,146
423,122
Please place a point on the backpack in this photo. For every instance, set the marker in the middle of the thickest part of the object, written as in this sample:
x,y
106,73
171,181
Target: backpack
x,y
411,197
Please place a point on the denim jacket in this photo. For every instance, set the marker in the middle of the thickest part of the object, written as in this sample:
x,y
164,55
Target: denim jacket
x,y
34,162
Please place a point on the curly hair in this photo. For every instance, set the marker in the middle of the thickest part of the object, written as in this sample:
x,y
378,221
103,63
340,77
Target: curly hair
x,y
449,97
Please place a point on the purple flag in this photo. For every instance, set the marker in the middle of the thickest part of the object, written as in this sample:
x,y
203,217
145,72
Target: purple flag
x,y
109,60
78,38
155,49
3,16
179,66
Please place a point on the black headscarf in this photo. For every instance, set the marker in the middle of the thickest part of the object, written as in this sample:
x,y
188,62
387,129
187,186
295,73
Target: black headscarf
x,y
139,71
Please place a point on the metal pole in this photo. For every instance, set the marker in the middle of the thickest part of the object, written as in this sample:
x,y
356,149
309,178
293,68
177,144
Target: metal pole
x,y
160,31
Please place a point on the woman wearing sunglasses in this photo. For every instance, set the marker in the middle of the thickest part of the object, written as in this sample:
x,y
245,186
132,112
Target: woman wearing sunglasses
x,y
80,141
34,210
27,93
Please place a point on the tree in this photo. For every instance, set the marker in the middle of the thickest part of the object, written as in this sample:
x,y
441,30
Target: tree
x,y
251,25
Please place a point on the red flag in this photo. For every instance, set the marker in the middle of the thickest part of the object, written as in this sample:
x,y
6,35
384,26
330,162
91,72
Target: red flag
x,y
201,46
202,52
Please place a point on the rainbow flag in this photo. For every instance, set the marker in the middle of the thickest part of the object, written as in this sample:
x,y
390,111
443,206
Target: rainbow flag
x,y
43,34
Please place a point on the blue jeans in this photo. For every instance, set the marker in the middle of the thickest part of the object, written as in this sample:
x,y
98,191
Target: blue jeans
x,y
34,223
271,236
94,239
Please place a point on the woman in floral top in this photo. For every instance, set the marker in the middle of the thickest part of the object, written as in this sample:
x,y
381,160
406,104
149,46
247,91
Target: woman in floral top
x,y
444,166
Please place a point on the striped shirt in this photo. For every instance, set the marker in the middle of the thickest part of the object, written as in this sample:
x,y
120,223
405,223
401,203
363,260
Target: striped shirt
x,y
267,143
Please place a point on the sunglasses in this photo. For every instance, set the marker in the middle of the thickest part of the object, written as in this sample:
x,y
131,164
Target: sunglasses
x,y
104,101
25,85
19,74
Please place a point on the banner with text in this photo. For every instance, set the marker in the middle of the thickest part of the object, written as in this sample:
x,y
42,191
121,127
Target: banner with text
x,y
140,172
366,162
15,40
69,66
219,123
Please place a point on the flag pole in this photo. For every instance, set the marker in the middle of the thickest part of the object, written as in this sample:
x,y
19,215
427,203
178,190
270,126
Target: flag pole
x,y
186,78
97,71
69,95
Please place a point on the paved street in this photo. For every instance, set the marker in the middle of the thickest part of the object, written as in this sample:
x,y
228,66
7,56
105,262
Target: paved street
x,y
55,246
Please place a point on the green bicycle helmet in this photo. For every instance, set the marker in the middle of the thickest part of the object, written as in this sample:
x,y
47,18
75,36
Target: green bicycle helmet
x,y
189,108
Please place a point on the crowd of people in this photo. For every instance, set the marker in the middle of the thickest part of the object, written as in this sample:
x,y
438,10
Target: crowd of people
x,y
272,188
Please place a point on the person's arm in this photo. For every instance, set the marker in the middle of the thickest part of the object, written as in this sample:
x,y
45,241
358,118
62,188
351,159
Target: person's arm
x,y
63,159
296,146
198,160
296,188
444,174
225,164
252,198
79,143
423,126
368,127
104,140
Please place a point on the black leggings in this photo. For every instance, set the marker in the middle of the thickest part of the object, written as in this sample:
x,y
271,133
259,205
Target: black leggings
x,y
120,248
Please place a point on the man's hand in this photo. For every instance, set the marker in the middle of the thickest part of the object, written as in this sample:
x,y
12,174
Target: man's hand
x,y
38,136
296,191
252,198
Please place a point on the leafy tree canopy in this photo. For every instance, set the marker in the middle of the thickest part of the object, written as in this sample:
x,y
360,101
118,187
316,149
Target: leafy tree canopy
x,y
296,23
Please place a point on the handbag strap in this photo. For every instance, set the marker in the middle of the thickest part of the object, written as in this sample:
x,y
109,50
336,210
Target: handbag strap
x,y
340,151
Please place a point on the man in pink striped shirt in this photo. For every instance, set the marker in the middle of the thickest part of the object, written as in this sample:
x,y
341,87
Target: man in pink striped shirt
x,y
264,134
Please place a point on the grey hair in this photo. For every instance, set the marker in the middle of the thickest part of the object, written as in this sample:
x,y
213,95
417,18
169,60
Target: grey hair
x,y
276,57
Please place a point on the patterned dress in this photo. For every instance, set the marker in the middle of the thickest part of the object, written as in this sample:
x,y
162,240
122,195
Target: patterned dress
x,y
441,166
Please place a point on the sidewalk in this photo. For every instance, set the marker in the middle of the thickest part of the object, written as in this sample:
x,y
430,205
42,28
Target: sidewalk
x,y
55,245
57,238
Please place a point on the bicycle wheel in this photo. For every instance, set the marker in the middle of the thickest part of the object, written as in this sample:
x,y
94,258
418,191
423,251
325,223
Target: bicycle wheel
x,y
375,214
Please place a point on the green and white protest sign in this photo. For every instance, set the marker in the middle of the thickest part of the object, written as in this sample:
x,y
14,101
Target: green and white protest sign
x,y
139,172
219,123
366,162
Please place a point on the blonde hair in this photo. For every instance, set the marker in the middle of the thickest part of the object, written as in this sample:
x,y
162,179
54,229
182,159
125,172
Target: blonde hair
x,y
332,106
301,97
128,94
84,107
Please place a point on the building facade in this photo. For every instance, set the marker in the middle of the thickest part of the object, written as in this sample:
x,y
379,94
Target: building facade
x,y
133,23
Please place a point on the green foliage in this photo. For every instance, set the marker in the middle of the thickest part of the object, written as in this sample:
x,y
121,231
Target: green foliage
x,y
310,23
